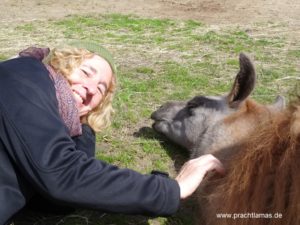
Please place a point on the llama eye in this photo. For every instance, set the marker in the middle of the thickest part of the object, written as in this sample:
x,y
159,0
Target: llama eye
x,y
191,111
204,102
196,102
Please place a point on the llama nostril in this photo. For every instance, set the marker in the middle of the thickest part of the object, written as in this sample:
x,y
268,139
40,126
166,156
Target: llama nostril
x,y
155,116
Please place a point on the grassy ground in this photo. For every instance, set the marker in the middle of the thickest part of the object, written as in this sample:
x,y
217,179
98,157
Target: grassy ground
x,y
160,60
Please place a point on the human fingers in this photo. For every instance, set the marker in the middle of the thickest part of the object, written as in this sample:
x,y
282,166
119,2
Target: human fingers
x,y
193,171
210,162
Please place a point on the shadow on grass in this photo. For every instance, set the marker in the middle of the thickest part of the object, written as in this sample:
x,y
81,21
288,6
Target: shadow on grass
x,y
79,217
179,155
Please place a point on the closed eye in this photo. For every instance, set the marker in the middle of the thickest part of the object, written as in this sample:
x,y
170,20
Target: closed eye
x,y
205,102
196,102
102,88
86,73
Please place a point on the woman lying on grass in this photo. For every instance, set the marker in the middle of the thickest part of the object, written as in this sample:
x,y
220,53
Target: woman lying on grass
x,y
51,103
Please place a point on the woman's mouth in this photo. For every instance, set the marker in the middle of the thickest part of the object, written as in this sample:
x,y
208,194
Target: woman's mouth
x,y
78,97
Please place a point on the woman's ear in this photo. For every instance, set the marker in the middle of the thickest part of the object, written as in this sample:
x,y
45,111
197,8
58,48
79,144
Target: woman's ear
x,y
83,119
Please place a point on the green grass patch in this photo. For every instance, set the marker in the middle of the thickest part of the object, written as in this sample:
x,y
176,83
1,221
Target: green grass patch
x,y
161,60
294,53
3,57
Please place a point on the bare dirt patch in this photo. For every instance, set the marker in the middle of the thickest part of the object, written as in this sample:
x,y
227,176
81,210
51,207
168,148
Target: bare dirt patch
x,y
212,12
208,11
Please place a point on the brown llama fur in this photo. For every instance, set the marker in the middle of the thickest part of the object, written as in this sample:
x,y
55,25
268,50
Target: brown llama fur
x,y
263,176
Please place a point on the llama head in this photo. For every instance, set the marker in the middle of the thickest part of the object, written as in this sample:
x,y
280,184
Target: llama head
x,y
203,121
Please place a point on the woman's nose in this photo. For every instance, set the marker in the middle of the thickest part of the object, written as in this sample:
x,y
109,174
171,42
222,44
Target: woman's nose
x,y
91,88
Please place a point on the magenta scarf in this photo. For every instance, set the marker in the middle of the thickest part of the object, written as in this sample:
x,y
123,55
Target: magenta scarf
x,y
66,103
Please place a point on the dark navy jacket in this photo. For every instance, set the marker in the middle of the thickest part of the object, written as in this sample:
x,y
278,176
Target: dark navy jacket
x,y
38,156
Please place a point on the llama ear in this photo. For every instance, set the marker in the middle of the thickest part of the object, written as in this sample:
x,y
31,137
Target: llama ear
x,y
278,105
244,82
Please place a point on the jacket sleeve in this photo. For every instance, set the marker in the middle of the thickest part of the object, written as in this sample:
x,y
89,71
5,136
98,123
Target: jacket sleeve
x,y
86,142
38,142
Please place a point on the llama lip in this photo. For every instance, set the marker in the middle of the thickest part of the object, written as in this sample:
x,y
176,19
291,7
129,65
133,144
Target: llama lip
x,y
156,118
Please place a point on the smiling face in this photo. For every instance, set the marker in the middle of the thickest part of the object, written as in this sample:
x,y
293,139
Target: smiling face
x,y
89,83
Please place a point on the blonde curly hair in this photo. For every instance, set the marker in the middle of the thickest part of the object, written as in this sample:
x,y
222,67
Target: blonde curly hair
x,y
64,61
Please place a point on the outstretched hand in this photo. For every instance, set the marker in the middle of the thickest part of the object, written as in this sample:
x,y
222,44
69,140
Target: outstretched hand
x,y
193,172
